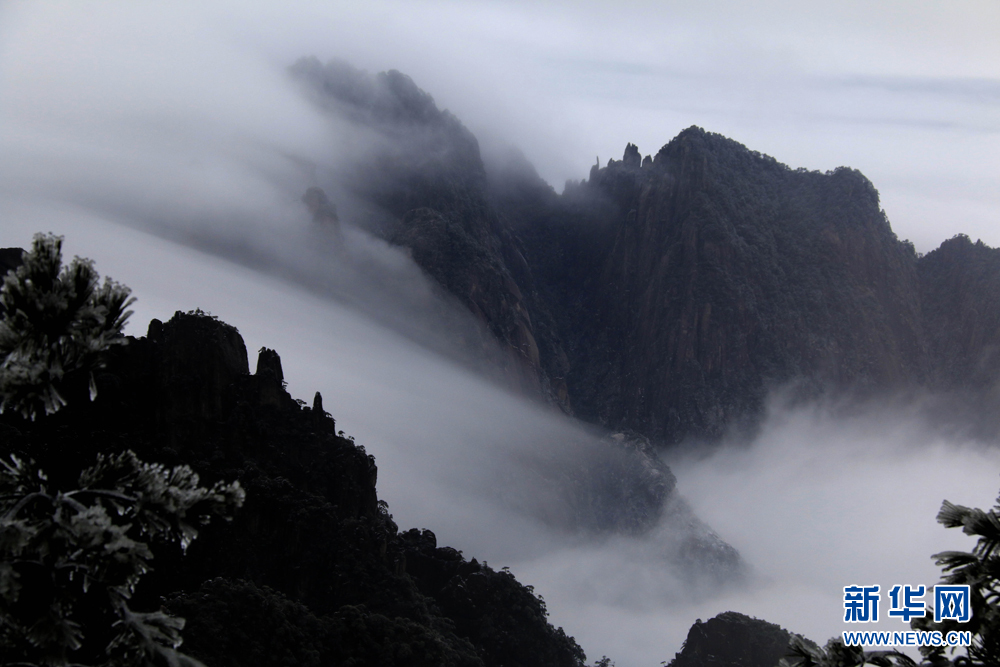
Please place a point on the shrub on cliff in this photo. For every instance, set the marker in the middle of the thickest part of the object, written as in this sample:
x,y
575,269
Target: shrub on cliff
x,y
55,322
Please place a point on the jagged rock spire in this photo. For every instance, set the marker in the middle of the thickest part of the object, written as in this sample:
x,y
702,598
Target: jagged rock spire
x,y
269,364
632,157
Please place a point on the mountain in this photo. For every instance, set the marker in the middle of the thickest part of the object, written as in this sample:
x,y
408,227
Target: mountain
x,y
959,282
424,170
313,570
732,639
669,295
721,274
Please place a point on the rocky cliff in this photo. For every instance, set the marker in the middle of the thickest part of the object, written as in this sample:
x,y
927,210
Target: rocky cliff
x,y
669,294
423,168
959,283
725,274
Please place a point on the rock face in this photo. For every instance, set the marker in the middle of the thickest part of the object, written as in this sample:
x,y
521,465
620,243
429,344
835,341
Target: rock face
x,y
312,571
725,273
733,640
959,284
669,295
425,170
687,288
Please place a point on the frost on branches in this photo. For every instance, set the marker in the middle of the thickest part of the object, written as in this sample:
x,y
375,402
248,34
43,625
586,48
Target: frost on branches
x,y
56,321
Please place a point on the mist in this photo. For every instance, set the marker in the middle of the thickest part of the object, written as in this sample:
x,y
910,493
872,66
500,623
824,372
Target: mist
x,y
172,148
906,92
817,500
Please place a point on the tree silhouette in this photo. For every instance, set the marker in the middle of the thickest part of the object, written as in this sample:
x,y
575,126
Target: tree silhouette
x,y
56,321
70,560
803,653
980,570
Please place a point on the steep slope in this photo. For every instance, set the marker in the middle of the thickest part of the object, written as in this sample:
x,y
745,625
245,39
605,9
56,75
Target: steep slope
x,y
312,570
686,287
959,284
667,295
422,168
729,273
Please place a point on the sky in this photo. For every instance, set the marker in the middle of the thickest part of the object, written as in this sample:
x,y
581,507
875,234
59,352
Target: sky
x,y
125,126
907,92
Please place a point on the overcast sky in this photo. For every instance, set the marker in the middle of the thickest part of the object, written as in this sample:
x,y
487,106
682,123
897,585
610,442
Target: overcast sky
x,y
181,116
906,91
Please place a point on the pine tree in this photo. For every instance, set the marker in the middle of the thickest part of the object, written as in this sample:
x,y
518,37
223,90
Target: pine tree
x,y
56,323
980,570
70,560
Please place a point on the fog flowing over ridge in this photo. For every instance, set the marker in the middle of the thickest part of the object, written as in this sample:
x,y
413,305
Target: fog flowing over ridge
x,y
182,177
819,500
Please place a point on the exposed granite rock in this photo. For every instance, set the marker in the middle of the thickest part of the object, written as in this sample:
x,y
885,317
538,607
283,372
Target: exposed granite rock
x,y
683,292
728,273
631,159
429,176
269,365
959,284
200,359
669,295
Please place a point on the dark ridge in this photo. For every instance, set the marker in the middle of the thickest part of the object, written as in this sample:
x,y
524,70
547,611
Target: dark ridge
x,y
732,639
428,175
727,273
312,569
669,296
959,284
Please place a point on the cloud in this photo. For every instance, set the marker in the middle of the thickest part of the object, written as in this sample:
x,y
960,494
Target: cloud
x,y
179,119
823,497
817,501
901,91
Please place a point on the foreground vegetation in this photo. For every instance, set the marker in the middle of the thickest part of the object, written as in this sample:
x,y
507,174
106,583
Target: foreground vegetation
x,y
98,561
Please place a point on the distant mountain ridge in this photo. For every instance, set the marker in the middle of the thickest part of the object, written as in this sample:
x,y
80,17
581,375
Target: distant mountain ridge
x,y
428,175
669,295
